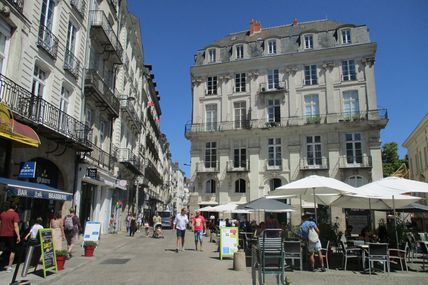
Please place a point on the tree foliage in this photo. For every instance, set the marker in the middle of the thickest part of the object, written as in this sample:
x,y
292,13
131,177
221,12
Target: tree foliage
x,y
390,158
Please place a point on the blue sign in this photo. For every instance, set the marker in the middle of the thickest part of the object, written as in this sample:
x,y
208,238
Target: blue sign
x,y
28,170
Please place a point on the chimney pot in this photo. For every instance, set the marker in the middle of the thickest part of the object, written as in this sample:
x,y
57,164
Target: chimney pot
x,y
255,27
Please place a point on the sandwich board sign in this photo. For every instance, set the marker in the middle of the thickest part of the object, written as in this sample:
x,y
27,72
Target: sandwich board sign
x,y
92,231
48,251
229,240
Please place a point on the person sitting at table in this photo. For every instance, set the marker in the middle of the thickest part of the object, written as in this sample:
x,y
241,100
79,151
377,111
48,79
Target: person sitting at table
x,y
260,229
365,233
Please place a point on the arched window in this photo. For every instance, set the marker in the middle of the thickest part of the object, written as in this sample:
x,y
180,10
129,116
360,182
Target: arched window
x,y
274,183
210,186
240,186
356,181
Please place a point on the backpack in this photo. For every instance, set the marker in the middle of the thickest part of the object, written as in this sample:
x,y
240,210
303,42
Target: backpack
x,y
312,235
68,223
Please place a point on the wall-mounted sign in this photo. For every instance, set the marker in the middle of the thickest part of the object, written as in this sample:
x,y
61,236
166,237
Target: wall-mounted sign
x,y
92,173
28,170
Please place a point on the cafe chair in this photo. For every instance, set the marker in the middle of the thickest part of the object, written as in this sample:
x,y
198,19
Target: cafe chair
x,y
378,252
396,254
423,253
349,252
324,251
293,250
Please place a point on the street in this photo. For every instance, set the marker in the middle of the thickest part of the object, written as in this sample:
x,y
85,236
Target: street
x,y
120,259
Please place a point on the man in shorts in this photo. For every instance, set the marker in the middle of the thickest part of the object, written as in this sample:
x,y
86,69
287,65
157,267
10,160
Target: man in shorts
x,y
180,223
198,225
311,245
9,232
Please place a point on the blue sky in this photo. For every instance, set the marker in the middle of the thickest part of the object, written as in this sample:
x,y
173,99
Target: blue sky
x,y
173,30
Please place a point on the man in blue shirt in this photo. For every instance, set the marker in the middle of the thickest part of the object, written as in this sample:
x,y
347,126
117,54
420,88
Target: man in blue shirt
x,y
312,244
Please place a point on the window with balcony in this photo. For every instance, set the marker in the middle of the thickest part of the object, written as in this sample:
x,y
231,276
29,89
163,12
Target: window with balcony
x,y
308,41
274,153
102,132
210,186
239,49
354,154
211,117
46,18
63,106
89,120
239,157
346,36
273,79
351,104
212,55
39,77
47,39
311,75
348,70
240,113
210,155
313,151
274,111
71,63
312,108
212,85
240,186
240,82
272,47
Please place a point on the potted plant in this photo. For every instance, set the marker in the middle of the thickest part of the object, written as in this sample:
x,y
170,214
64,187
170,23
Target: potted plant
x,y
61,256
89,247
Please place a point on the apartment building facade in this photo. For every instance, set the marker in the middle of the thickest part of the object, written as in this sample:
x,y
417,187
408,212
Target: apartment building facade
x,y
274,105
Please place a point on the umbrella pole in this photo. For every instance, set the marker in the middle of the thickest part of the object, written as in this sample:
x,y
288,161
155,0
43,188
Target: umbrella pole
x,y
395,220
301,206
315,206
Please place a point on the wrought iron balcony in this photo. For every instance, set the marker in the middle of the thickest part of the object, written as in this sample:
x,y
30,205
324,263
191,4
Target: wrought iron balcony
x,y
238,166
49,120
103,94
18,4
71,63
103,32
102,158
357,161
48,41
113,3
129,159
152,174
79,6
151,120
127,105
277,87
319,163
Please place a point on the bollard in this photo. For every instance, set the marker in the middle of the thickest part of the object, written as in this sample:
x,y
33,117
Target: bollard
x,y
239,263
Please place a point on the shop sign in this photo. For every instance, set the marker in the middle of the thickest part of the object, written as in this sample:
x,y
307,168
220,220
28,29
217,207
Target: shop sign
x,y
28,170
92,173
48,251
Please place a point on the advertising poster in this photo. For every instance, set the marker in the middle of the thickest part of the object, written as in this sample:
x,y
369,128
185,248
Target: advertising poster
x,y
92,231
229,240
48,251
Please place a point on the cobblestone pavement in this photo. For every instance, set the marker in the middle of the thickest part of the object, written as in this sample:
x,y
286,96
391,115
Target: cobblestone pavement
x,y
138,260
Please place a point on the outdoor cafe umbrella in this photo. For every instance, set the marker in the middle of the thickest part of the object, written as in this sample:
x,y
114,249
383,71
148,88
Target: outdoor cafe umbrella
x,y
229,207
267,205
206,209
323,190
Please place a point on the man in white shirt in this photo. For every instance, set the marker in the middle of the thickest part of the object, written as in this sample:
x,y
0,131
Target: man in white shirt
x,y
180,223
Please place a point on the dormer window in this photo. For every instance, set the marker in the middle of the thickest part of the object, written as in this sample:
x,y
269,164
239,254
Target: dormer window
x,y
272,47
346,36
308,41
212,55
239,51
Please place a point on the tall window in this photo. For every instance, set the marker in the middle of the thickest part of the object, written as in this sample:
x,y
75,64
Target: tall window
x,y
346,36
211,155
63,106
240,185
274,152
240,51
240,109
240,82
311,75
212,85
313,150
274,110
90,119
312,107
348,70
273,79
210,186
351,105
309,41
353,148
274,183
46,17
39,78
102,132
355,181
71,37
211,117
212,55
4,46
239,157
272,47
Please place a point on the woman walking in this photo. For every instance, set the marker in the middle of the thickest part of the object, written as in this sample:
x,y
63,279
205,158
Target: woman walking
x,y
57,226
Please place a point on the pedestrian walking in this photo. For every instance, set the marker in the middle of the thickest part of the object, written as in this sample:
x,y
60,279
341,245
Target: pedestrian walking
x,y
32,234
132,225
71,230
309,232
199,227
9,232
180,223
128,223
58,235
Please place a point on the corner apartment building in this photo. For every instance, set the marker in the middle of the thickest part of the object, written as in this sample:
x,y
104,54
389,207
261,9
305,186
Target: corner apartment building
x,y
274,105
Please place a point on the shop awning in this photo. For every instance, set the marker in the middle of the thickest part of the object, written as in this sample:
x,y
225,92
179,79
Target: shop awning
x,y
16,131
33,190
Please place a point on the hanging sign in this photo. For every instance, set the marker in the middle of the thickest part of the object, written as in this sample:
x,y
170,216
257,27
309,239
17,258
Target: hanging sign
x,y
48,251
28,170
229,240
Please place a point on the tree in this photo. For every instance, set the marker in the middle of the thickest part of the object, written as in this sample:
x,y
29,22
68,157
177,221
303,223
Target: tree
x,y
390,159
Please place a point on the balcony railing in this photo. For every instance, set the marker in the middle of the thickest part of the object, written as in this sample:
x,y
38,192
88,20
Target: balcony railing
x,y
48,41
361,161
50,120
127,157
18,4
128,106
71,63
320,163
201,167
79,6
152,174
102,158
276,87
99,22
379,117
238,166
94,84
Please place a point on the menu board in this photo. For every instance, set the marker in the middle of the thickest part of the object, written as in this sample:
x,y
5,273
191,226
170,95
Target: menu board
x,y
229,240
48,251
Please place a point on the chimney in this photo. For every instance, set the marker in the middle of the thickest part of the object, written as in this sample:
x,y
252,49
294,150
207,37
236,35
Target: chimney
x,y
255,27
295,22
